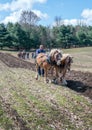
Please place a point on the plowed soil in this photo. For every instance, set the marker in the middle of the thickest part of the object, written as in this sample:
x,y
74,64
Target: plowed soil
x,y
78,81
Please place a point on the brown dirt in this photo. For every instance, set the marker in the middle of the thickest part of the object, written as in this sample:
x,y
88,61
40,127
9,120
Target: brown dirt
x,y
78,81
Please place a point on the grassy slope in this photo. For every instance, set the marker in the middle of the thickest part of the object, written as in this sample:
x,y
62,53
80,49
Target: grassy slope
x,y
39,106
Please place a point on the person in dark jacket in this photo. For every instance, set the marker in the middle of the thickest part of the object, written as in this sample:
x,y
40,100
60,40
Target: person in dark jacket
x,y
40,50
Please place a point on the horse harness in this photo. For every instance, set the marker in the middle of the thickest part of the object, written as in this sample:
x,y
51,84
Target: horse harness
x,y
48,60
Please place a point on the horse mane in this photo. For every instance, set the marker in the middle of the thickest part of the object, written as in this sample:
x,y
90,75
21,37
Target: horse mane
x,y
52,52
64,56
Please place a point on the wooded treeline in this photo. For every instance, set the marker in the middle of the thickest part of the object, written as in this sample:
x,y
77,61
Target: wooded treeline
x,y
28,34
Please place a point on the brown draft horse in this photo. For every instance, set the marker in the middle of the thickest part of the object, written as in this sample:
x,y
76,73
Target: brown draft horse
x,y
47,62
63,67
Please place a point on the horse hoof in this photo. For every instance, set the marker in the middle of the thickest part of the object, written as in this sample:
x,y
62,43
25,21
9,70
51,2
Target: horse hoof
x,y
50,81
46,81
54,81
64,84
36,78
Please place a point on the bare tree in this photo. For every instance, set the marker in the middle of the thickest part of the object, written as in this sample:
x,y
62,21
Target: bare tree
x,y
28,18
58,21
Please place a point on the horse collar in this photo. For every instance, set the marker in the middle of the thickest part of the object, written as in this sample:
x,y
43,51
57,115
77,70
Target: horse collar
x,y
50,61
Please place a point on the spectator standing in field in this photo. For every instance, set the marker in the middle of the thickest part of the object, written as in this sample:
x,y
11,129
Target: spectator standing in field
x,y
27,53
24,54
32,55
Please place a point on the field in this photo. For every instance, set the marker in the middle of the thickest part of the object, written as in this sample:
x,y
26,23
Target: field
x,y
27,104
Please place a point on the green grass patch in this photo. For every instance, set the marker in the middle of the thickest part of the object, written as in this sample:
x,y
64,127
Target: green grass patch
x,y
44,106
5,122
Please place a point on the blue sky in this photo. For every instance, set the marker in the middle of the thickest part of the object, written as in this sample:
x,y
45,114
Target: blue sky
x,y
70,11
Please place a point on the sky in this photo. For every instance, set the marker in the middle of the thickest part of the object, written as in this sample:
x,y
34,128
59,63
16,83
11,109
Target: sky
x,y
70,11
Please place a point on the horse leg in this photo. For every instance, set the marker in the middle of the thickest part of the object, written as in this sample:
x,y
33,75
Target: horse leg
x,y
52,70
56,75
56,69
36,77
45,75
64,82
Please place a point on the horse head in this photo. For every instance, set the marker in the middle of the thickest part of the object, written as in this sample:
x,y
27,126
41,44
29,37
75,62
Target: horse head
x,y
66,61
55,55
64,65
69,62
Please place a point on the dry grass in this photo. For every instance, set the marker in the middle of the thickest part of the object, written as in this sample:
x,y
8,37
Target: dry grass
x,y
27,104
82,58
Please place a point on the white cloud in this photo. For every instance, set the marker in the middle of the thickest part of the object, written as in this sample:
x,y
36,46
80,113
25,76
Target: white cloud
x,y
69,22
16,6
74,22
86,19
87,13
40,14
41,1
19,4
14,17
